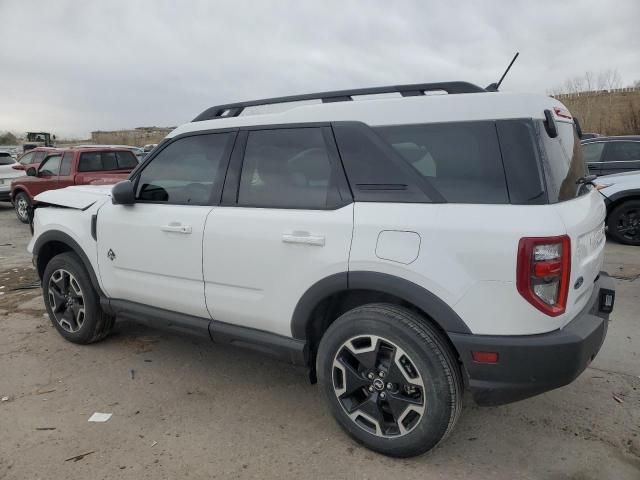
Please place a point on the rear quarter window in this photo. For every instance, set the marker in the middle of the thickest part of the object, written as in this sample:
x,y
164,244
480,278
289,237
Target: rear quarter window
x,y
461,160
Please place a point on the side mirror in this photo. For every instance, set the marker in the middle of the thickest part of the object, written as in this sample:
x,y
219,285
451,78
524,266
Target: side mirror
x,y
550,124
31,171
123,193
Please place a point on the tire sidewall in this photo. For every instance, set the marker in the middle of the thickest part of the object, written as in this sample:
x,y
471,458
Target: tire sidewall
x,y
438,391
22,195
72,263
612,222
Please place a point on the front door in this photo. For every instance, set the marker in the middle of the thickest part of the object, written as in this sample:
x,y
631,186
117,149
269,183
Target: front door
x,y
286,227
151,252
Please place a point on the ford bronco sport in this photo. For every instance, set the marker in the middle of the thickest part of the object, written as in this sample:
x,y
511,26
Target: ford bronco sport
x,y
403,248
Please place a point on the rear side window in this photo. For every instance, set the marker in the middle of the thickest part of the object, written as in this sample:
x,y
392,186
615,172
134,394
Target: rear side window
x,y
65,166
460,160
126,160
593,151
285,168
623,151
562,162
6,159
26,159
38,157
188,171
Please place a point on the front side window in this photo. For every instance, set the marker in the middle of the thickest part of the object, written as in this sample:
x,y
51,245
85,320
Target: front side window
x,y
460,160
187,171
623,151
65,165
285,168
593,151
51,166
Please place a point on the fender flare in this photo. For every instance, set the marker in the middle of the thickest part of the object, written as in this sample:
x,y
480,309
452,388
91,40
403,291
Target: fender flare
x,y
61,237
622,195
441,313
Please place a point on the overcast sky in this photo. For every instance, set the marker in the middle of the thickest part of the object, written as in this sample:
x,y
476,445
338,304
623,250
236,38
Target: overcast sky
x,y
71,67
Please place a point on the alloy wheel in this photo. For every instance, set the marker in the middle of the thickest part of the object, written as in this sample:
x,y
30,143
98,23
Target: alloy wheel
x,y
378,386
66,300
22,208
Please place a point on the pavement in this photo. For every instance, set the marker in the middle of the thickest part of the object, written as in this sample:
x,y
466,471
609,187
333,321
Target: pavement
x,y
183,407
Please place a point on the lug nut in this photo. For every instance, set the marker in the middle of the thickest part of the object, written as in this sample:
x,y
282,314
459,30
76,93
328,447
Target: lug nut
x,y
389,386
370,376
383,395
371,388
381,374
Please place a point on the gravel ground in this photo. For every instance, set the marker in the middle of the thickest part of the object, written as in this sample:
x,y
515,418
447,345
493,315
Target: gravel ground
x,y
195,409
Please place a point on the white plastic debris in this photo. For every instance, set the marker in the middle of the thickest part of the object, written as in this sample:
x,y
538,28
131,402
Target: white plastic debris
x,y
5,399
100,417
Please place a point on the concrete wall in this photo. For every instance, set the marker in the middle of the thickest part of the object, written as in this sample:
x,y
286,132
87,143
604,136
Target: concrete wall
x,y
610,112
136,137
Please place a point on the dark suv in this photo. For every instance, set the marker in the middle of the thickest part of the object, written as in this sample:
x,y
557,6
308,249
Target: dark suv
x,y
610,155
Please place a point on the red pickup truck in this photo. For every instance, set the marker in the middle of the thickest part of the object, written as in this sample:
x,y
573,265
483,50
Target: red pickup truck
x,y
63,168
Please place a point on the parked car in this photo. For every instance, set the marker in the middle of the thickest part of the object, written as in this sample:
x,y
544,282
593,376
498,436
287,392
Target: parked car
x,y
137,151
33,157
402,249
7,174
63,168
610,155
622,197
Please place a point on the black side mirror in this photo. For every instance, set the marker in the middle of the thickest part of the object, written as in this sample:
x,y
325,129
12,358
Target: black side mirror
x,y
550,124
31,171
123,193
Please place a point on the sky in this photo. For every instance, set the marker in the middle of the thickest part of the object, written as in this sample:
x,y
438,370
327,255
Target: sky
x,y
73,66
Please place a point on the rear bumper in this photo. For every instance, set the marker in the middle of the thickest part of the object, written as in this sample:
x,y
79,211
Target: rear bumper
x,y
532,364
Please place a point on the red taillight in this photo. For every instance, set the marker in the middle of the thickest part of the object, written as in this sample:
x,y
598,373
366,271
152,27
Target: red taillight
x,y
544,269
18,166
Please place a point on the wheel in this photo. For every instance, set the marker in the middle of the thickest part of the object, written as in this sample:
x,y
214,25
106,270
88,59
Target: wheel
x,y
624,223
72,303
22,204
390,379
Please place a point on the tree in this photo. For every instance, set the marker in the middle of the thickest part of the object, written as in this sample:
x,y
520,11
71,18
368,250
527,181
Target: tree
x,y
8,138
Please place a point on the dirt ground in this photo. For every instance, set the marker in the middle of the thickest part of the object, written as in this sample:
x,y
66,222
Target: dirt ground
x,y
187,408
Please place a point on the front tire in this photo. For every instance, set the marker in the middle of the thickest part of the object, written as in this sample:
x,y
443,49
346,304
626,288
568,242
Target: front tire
x,y
72,303
22,204
623,223
390,378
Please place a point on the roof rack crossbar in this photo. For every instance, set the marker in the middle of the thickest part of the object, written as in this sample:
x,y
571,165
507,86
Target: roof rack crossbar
x,y
417,89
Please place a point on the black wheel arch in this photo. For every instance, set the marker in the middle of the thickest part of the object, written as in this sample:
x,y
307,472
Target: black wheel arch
x,y
620,197
54,242
336,294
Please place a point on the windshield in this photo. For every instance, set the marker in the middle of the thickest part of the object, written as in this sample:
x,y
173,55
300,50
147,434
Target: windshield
x,y
562,162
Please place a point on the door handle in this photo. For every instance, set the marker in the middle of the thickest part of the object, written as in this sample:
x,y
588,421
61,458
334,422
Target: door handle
x,y
177,228
304,238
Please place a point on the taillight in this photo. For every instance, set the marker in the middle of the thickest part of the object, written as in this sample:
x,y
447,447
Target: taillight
x,y
18,166
544,269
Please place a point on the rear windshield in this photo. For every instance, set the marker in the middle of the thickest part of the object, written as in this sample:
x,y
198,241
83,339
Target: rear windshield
x,y
562,161
461,160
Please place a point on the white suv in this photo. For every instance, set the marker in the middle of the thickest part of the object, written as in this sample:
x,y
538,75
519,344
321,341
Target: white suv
x,y
404,248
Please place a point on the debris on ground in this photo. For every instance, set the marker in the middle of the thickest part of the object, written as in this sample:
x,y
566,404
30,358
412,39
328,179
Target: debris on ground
x,y
45,428
4,399
618,399
132,373
45,391
154,444
100,417
77,458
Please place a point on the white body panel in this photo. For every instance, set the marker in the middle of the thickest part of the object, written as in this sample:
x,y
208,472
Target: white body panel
x,y
619,183
468,256
158,255
258,262
7,174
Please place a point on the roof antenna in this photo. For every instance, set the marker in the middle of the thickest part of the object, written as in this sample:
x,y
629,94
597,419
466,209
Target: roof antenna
x,y
494,86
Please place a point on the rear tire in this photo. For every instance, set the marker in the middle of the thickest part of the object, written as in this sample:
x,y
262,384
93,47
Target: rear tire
x,y
391,380
22,204
72,303
623,223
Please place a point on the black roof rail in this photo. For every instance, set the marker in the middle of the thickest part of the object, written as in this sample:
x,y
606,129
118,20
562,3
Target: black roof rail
x,y
411,90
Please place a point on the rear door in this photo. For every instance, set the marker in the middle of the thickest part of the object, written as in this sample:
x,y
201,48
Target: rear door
x,y
581,209
285,223
151,252
621,156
